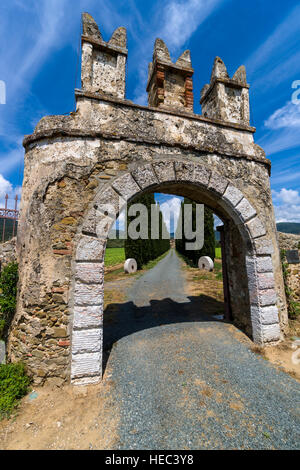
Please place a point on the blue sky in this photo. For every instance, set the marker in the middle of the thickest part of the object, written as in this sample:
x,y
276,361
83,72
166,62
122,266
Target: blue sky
x,y
39,54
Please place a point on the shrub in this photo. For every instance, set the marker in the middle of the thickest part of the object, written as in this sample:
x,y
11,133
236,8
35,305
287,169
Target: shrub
x,y
8,289
14,385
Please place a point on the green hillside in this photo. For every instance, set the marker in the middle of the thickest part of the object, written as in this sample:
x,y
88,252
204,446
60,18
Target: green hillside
x,y
289,227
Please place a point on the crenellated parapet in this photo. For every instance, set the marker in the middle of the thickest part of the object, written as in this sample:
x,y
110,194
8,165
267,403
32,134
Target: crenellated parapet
x,y
103,64
225,98
170,85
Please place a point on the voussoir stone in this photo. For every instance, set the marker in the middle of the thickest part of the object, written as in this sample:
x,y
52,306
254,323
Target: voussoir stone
x,y
145,176
232,195
90,249
184,171
126,186
245,210
165,171
217,184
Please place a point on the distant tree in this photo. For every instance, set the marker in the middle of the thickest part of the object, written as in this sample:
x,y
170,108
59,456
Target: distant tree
x,y
208,248
145,250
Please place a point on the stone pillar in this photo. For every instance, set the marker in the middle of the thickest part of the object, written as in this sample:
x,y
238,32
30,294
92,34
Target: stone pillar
x,y
170,85
103,64
224,98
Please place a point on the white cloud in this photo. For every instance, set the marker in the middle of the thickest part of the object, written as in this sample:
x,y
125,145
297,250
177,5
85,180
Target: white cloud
x,y
286,205
287,196
287,116
182,18
278,58
6,188
175,24
170,210
284,125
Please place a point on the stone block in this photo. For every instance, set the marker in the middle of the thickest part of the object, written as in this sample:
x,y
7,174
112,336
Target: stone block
x,y
108,202
232,195
145,176
271,333
165,171
86,364
264,247
217,184
269,315
90,249
267,297
87,341
256,227
266,280
264,264
88,316
126,186
201,175
88,294
94,379
245,210
90,272
184,171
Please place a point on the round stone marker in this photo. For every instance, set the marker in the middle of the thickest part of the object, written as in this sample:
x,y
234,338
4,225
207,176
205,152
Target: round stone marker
x,y
130,266
205,262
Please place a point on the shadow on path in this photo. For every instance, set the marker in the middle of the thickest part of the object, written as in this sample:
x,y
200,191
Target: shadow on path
x,y
120,320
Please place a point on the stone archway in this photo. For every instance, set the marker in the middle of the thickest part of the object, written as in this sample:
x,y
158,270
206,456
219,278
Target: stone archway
x,y
167,175
111,148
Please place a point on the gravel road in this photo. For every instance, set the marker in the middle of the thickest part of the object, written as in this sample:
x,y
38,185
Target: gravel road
x,y
186,381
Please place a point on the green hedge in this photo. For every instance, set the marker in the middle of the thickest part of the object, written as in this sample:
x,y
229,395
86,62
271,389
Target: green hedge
x,y
145,250
208,248
8,295
14,385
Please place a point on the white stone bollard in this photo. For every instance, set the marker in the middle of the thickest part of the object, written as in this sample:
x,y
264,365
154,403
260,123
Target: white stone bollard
x,y
205,262
130,266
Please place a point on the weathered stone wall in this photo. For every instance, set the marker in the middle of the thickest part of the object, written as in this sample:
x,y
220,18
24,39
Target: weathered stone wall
x,y
288,241
8,252
110,148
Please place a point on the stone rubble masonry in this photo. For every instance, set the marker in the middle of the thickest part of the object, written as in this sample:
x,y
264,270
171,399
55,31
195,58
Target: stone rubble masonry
x,y
81,169
224,98
8,252
288,241
170,85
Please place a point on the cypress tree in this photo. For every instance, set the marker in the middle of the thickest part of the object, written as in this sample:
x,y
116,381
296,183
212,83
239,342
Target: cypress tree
x,y
208,248
144,250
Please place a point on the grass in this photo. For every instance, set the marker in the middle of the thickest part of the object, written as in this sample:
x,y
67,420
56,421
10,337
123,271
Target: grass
x,y
114,256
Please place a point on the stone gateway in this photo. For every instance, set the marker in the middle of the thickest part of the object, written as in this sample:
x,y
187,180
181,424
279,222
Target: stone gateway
x,y
111,149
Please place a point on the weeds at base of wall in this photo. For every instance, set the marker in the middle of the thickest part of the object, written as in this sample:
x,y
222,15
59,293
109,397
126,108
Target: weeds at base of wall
x,y
14,384
293,307
8,296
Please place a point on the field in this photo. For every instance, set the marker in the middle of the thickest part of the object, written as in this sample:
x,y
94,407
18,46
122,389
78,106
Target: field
x,y
114,256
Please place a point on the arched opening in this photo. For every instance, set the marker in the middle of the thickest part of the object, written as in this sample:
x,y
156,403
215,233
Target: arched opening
x,y
251,298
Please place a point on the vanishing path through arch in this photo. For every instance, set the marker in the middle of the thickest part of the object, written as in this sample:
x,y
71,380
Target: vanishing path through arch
x,y
183,380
